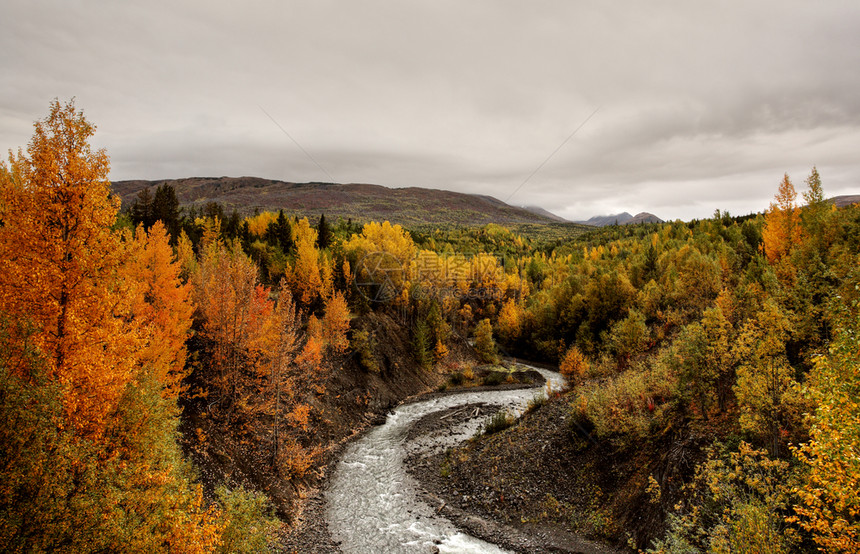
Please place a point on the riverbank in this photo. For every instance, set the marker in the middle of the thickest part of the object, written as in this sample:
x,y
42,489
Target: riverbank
x,y
476,502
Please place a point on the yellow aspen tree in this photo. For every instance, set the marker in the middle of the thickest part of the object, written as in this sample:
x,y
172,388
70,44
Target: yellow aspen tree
x,y
440,351
185,256
335,323
383,237
326,277
346,270
306,278
211,231
384,254
258,224
510,321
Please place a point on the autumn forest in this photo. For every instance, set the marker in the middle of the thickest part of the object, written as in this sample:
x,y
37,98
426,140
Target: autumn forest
x,y
175,379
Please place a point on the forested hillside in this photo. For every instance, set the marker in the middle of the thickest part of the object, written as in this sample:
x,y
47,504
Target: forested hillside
x,y
413,206
176,382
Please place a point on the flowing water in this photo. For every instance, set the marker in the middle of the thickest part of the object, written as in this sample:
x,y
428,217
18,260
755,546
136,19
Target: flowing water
x,y
371,502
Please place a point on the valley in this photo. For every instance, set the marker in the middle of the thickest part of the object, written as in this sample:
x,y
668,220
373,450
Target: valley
x,y
185,375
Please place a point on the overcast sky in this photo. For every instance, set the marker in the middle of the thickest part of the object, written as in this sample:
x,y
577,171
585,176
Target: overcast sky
x,y
700,105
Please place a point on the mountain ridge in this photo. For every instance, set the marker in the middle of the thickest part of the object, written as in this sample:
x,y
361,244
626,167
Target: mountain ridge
x,y
844,200
545,213
408,206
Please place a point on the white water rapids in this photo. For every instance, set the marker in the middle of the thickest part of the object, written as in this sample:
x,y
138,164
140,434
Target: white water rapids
x,y
371,502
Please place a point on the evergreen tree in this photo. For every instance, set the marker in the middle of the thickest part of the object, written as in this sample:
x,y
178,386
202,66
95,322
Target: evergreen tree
x,y
421,344
165,208
233,226
212,210
323,233
141,211
280,233
245,234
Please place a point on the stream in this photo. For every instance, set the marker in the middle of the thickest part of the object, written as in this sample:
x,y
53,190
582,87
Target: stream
x,y
371,502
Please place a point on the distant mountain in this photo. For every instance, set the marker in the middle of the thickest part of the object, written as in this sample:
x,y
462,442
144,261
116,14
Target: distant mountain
x,y
643,217
544,213
407,206
842,201
604,220
623,218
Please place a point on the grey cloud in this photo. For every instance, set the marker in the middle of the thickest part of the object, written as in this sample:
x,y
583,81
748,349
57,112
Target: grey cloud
x,y
703,106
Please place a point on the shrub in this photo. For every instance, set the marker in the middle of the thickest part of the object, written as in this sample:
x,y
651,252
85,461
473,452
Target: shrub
x,y
494,378
630,402
468,373
500,421
738,505
629,336
363,344
249,520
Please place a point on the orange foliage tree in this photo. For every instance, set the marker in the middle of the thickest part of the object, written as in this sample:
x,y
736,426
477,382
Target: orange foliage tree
x,y
91,463
162,306
782,227
574,364
280,393
252,357
61,264
234,311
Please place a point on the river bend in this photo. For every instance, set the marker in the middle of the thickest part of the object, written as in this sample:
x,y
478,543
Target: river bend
x,y
371,502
